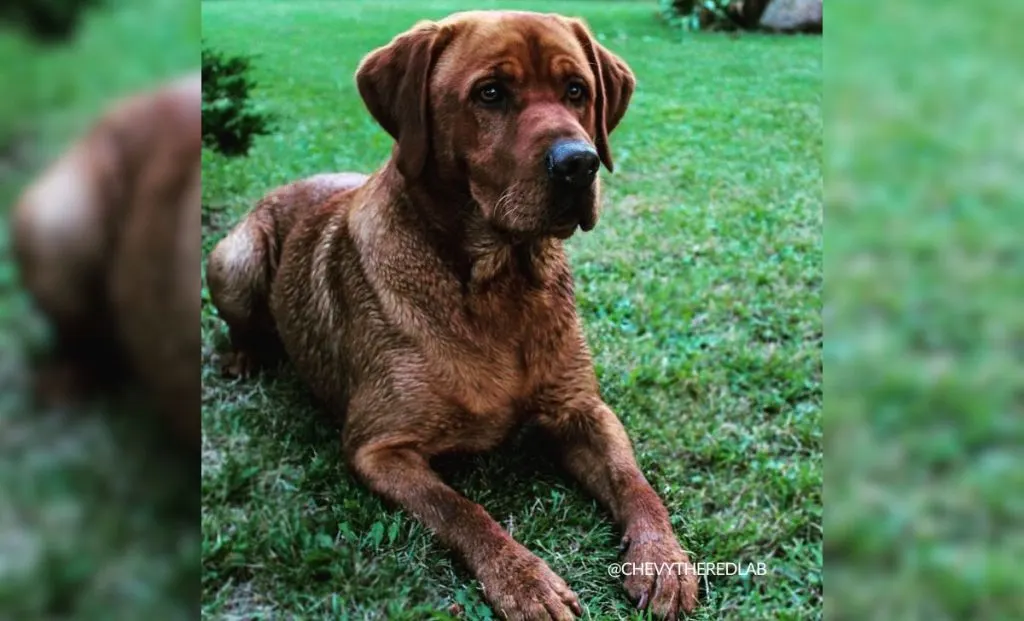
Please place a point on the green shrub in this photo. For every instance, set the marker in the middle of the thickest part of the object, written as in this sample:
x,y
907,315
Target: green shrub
x,y
694,15
231,120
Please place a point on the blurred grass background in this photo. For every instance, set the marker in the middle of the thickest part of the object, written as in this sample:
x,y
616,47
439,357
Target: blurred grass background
x,y
98,518
924,348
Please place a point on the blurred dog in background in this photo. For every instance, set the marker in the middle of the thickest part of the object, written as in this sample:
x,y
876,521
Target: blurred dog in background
x,y
108,240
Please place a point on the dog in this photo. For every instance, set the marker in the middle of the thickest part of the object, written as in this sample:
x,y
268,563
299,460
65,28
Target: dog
x,y
430,306
107,242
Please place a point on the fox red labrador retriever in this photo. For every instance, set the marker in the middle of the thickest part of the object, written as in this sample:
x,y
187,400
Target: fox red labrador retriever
x,y
430,306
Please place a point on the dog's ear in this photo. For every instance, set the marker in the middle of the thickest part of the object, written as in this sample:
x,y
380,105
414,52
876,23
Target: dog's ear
x,y
394,83
615,85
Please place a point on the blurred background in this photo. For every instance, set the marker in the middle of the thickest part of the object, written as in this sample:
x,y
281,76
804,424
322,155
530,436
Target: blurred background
x,y
924,406
99,516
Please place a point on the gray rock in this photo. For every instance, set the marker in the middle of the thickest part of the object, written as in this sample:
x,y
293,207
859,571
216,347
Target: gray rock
x,y
792,16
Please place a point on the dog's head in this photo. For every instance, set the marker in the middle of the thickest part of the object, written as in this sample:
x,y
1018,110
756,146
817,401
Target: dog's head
x,y
515,107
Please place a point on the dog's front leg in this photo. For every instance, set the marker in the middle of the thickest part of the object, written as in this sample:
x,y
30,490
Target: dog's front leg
x,y
517,583
597,452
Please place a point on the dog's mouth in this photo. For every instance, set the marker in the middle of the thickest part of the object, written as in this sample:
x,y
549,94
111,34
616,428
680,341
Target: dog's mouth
x,y
531,210
563,231
575,214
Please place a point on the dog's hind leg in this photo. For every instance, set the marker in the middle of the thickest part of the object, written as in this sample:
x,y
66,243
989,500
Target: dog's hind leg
x,y
60,240
239,272
241,268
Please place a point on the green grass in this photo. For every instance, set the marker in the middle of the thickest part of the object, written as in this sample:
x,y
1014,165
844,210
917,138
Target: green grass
x,y
700,295
925,407
97,519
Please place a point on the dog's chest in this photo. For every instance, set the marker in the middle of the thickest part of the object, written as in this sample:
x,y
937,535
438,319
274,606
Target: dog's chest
x,y
483,345
513,347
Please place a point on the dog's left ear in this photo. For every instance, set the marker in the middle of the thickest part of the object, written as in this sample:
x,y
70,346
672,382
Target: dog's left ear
x,y
615,85
394,82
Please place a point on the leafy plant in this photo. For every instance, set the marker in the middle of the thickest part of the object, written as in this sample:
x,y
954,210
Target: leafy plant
x,y
696,15
231,120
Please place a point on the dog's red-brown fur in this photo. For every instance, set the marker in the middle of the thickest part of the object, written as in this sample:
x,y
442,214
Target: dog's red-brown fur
x,y
431,307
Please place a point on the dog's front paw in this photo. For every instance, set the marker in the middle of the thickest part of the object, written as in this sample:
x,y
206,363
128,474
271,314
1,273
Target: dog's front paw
x,y
659,574
521,586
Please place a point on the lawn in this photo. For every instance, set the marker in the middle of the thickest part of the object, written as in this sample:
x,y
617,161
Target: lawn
x,y
700,292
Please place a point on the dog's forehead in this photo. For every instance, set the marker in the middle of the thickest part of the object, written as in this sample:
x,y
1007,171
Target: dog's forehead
x,y
484,38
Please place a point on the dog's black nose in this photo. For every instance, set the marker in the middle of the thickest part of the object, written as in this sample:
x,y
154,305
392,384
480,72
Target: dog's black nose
x,y
572,164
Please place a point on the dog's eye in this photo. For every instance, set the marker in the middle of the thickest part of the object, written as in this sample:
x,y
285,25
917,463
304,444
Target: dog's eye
x,y
576,92
491,94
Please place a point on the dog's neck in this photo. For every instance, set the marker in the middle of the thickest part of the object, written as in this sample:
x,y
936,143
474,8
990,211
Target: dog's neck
x,y
454,226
